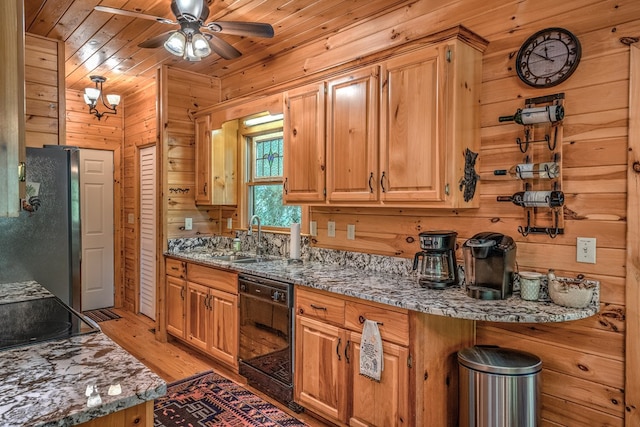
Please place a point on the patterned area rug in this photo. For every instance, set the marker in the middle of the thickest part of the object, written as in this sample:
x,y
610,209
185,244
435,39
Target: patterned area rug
x,y
101,315
209,399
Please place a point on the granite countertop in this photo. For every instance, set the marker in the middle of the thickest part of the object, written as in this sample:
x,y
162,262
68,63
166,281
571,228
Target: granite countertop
x,y
399,291
47,384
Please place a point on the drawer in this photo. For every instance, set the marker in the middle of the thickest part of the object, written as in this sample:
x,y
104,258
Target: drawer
x,y
225,281
393,325
175,268
320,306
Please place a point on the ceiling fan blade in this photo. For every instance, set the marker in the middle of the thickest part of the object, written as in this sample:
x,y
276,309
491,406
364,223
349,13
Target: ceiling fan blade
x,y
133,14
237,28
223,48
156,41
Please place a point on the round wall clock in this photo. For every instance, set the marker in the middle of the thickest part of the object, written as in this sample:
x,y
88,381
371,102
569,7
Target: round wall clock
x,y
548,57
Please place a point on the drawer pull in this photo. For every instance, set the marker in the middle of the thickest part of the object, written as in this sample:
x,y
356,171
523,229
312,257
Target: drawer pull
x,y
361,319
175,268
318,307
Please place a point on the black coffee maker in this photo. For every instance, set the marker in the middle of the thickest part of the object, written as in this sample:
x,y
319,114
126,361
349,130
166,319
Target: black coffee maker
x,y
489,264
436,263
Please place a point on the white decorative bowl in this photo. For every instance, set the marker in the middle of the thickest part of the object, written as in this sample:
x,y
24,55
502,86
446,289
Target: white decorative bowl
x,y
574,293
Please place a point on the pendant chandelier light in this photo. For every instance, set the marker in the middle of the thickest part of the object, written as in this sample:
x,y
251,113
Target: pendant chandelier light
x,y
92,95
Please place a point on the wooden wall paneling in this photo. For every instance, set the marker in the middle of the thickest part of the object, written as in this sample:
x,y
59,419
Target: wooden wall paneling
x,y
139,131
632,385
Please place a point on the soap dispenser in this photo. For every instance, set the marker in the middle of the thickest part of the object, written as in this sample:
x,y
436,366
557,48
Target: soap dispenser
x,y
237,246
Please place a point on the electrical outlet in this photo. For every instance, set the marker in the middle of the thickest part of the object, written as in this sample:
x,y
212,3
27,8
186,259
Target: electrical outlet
x,y
313,228
188,223
229,223
351,231
131,219
586,250
331,229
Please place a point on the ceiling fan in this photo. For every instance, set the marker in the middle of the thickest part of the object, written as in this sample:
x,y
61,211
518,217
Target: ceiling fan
x,y
188,41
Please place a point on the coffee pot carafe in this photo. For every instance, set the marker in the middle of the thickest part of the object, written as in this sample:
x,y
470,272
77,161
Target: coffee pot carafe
x,y
436,263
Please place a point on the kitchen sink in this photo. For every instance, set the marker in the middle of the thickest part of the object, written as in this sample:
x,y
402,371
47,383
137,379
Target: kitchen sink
x,y
252,260
232,258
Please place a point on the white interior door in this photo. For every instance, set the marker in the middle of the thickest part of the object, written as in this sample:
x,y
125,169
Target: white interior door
x,y
96,213
148,232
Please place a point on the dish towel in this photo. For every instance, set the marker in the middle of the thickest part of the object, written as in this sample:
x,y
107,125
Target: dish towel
x,y
371,360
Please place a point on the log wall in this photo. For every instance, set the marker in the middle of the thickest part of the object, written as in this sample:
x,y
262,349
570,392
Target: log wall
x,y
584,361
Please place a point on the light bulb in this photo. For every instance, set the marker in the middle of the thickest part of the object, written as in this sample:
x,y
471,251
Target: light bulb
x,y
189,55
92,93
201,46
176,43
113,100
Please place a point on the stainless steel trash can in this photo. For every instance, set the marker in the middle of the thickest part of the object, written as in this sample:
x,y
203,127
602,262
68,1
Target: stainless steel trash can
x,y
499,387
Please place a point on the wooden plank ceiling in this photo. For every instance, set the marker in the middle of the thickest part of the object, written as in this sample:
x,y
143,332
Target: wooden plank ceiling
x,y
106,44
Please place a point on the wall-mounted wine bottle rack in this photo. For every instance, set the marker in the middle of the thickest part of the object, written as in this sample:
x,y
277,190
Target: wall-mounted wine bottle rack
x,y
542,144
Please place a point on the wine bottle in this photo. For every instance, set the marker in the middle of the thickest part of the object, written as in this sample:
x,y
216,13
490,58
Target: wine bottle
x,y
546,170
527,199
529,116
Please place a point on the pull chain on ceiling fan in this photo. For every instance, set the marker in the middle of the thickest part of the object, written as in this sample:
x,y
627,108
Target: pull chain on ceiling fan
x,y
188,41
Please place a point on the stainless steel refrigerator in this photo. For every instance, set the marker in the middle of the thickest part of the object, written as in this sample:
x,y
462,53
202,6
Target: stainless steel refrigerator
x,y
43,243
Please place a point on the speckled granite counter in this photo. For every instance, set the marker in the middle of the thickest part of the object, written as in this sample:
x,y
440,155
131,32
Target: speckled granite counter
x,y
400,291
46,384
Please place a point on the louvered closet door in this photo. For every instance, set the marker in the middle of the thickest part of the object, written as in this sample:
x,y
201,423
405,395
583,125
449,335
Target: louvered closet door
x,y
148,232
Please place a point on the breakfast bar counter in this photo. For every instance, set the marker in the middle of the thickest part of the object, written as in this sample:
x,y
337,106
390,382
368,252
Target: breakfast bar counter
x,y
72,381
400,290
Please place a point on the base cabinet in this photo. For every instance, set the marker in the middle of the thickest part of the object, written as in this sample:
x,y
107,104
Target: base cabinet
x,y
328,380
202,310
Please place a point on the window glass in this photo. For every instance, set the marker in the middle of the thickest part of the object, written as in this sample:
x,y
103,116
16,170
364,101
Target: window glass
x,y
265,182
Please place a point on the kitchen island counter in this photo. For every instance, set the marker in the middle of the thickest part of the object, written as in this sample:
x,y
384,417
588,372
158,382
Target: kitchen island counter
x,y
401,291
71,381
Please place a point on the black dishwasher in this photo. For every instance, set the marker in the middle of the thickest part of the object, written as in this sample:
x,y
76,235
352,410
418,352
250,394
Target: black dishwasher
x,y
266,335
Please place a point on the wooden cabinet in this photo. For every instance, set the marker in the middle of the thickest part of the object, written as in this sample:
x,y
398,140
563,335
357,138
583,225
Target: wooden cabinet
x,y
396,131
176,299
328,379
202,309
304,147
216,162
352,136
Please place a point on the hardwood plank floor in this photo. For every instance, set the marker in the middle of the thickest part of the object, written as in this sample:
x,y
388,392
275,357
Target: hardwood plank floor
x,y
173,360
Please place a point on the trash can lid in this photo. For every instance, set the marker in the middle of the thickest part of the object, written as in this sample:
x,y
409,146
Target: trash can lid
x,y
498,360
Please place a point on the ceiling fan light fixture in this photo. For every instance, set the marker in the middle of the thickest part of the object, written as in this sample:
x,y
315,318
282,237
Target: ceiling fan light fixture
x,y
175,44
201,46
189,54
190,10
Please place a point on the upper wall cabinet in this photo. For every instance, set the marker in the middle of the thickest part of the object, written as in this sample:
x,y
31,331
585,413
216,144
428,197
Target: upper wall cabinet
x,y
216,177
397,131
304,155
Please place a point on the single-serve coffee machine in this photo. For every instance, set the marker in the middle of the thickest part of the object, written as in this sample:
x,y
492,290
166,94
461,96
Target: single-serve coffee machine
x,y
436,263
489,263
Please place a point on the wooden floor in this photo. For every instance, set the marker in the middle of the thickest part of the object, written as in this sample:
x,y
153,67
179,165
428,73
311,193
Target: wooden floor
x,y
173,360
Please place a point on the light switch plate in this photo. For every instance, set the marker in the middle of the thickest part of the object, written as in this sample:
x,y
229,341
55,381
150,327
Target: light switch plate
x,y
586,250
229,223
351,231
313,228
331,229
131,219
188,224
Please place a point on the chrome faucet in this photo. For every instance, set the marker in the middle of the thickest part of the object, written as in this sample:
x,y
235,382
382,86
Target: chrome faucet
x,y
259,248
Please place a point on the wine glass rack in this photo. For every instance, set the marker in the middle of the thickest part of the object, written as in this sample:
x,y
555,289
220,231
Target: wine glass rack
x,y
542,143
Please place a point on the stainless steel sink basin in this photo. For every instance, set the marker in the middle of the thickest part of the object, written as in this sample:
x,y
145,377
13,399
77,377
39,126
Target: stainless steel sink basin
x,y
232,258
252,260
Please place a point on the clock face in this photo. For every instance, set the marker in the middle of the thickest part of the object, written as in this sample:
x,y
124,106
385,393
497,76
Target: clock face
x,y
548,57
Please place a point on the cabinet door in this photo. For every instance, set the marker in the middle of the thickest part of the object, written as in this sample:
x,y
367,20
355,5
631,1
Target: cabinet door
x,y
224,327
224,162
352,136
176,306
383,403
320,374
412,153
197,314
203,161
304,145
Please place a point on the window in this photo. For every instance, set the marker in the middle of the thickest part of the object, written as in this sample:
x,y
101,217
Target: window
x,y
265,181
